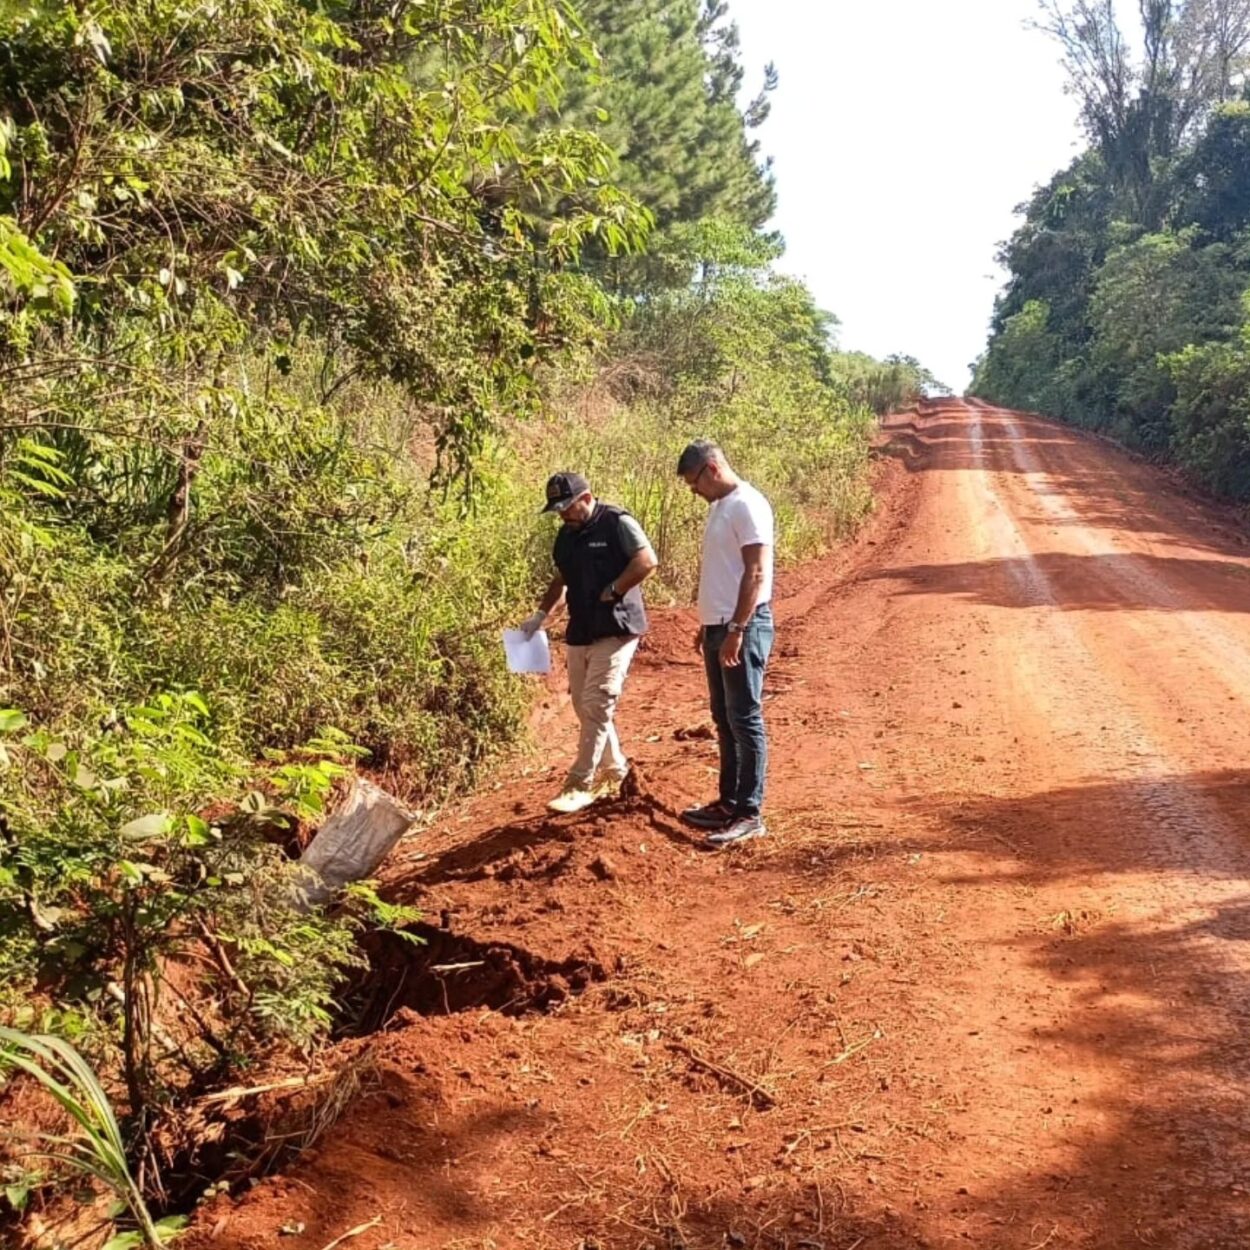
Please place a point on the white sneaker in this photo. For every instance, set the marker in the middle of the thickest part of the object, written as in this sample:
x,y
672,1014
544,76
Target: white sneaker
x,y
573,799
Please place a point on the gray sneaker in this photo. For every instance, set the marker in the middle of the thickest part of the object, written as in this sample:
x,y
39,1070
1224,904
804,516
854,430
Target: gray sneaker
x,y
742,830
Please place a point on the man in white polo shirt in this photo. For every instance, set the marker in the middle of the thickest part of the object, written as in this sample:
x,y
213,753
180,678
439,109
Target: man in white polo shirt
x,y
735,637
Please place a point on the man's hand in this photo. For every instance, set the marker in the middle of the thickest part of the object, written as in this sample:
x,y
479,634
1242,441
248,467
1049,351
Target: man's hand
x,y
532,624
731,651
698,639
608,595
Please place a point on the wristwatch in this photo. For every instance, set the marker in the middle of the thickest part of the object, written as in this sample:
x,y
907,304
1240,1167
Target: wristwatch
x,y
734,628
616,594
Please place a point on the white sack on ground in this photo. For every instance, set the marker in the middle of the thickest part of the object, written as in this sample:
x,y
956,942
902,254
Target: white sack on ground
x,y
352,842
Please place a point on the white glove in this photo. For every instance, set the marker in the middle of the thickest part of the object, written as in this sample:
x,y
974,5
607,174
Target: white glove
x,y
532,624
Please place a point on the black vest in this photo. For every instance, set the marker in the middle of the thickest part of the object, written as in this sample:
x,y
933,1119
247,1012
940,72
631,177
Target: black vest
x,y
590,559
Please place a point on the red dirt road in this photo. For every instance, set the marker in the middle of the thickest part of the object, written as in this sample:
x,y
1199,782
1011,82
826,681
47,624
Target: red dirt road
x,y
988,981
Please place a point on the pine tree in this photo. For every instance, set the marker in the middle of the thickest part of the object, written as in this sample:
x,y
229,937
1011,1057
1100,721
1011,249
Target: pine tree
x,y
670,80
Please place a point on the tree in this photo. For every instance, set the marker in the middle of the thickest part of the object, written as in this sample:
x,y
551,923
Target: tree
x,y
263,169
1107,319
1155,296
1139,110
669,87
1055,253
1215,36
1211,413
1215,176
1020,365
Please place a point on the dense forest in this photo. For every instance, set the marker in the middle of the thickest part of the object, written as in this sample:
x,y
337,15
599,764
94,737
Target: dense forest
x,y
299,305
1126,309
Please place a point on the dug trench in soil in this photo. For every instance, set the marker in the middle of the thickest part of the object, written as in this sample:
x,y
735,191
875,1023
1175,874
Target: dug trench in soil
x,y
985,983
432,971
426,970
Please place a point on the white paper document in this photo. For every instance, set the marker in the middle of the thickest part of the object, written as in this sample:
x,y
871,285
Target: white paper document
x,y
527,655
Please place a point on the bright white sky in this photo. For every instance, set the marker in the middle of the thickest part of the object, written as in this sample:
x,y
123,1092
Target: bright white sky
x,y
904,133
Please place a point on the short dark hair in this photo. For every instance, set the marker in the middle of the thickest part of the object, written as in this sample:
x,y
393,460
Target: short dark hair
x,y
702,451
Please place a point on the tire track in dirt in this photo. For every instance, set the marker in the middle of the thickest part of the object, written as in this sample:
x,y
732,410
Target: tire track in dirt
x,y
1068,678
1119,833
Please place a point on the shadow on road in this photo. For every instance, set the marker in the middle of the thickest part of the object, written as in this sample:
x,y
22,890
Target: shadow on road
x,y
1084,583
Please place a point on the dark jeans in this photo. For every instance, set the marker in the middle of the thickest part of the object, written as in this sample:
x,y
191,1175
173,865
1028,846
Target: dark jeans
x,y
737,708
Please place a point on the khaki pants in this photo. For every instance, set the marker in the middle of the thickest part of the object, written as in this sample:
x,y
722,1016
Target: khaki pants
x,y
596,679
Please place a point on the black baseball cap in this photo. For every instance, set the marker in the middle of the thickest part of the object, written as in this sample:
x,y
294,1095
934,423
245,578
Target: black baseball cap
x,y
562,489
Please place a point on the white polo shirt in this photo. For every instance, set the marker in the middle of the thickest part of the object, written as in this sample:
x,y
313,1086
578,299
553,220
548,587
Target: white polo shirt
x,y
741,519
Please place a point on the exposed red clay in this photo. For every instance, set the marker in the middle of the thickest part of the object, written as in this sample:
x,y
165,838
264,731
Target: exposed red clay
x,y
986,984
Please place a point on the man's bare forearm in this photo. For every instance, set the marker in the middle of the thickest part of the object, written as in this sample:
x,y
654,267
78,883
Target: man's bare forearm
x,y
553,597
636,571
751,585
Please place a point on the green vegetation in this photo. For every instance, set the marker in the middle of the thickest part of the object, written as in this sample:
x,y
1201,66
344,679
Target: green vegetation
x,y
1126,311
298,308
95,1149
670,98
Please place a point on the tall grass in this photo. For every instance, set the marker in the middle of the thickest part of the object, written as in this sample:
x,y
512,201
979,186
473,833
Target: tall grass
x,y
815,478
96,1149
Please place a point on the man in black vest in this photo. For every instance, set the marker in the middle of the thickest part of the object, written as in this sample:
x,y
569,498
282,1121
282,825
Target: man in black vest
x,y
602,557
